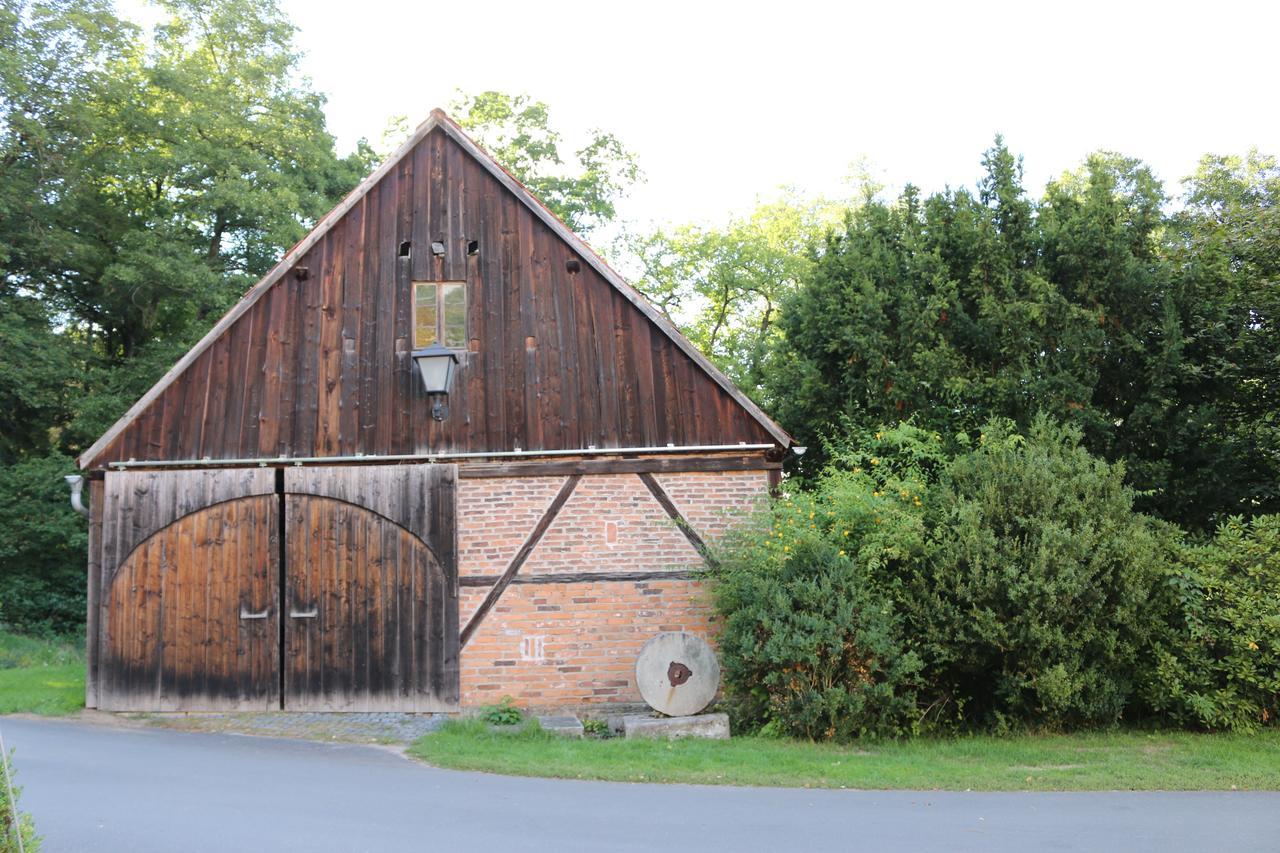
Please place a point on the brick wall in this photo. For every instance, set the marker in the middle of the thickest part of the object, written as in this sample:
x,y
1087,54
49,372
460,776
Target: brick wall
x,y
549,644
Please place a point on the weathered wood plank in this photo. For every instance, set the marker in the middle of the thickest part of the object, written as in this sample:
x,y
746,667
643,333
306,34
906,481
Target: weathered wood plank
x,y
652,464
93,594
583,577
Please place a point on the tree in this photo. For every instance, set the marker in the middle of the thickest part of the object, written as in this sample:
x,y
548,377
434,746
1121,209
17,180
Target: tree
x,y
180,173
1154,334
143,186
725,286
517,131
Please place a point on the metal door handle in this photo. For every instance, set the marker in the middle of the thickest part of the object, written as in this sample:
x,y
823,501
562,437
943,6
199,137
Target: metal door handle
x,y
303,614
245,614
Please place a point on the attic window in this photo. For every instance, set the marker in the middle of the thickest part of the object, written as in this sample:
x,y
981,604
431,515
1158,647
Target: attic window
x,y
440,314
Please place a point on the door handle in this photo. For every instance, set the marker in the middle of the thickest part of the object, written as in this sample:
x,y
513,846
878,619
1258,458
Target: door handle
x,y
303,614
245,614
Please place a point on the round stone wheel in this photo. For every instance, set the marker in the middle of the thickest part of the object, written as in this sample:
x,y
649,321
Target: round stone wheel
x,y
677,673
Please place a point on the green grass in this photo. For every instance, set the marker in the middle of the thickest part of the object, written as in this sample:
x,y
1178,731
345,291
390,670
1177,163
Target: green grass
x,y
40,676
1124,760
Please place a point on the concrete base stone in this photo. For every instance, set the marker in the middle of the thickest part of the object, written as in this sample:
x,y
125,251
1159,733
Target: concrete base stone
x,y
713,726
565,725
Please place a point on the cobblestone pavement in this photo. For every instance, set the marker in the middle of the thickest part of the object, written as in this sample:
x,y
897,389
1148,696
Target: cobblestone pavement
x,y
384,728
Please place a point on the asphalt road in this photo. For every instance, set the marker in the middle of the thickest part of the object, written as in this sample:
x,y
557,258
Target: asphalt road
x,y
95,788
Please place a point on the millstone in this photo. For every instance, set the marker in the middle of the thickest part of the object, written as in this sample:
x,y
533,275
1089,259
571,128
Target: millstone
x,y
677,673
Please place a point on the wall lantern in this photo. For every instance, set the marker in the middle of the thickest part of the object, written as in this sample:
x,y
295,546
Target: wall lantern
x,y
436,363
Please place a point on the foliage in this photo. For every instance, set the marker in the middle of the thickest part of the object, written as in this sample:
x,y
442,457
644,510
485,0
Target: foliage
x,y
1095,761
1153,333
725,286
505,713
42,562
1220,666
20,834
38,368
143,185
597,728
1030,603
25,651
812,644
923,583
517,131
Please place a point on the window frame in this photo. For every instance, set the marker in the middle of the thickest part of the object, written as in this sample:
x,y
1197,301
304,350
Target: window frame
x,y
458,343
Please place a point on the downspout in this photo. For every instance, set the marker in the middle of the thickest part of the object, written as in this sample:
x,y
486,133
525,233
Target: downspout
x,y
76,482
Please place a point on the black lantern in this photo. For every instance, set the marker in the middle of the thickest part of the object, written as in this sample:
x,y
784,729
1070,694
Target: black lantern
x,y
436,364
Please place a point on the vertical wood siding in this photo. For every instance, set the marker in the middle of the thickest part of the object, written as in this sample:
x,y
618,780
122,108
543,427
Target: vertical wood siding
x,y
320,366
371,551
176,639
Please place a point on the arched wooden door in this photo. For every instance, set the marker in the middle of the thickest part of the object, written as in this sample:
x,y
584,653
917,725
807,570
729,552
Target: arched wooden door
x,y
205,607
370,591
192,572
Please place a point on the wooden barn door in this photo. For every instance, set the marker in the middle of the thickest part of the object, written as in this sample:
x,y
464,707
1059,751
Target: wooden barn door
x,y
370,589
190,578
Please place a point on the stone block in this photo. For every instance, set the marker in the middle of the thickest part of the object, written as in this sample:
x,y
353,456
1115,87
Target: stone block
x,y
714,726
565,725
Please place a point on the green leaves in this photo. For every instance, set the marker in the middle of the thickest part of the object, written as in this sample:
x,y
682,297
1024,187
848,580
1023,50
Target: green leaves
x,y
725,286
1154,333
517,131
923,582
1219,668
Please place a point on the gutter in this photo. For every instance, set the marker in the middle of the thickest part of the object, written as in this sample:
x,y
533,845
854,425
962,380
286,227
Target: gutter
x,y
368,459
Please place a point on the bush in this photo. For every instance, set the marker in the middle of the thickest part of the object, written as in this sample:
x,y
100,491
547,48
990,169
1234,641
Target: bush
x,y
1031,599
42,552
1219,667
812,646
505,713
924,582
25,828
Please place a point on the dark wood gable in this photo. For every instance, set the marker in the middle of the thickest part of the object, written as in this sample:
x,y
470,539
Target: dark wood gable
x,y
315,360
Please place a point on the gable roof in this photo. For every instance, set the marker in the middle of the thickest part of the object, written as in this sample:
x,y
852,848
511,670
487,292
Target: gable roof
x,y
437,120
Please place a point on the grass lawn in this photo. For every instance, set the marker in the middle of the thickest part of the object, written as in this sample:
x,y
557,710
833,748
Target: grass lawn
x,y
1124,760
39,676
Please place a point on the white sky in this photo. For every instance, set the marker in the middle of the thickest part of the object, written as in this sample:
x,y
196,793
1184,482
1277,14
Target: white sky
x,y
724,102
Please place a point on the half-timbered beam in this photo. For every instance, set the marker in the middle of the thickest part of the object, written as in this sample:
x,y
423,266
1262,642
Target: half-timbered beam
x,y
519,559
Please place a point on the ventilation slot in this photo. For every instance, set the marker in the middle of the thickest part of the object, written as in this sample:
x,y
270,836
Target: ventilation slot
x,y
473,248
437,248
404,249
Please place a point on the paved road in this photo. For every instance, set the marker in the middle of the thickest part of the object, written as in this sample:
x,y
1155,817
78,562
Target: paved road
x,y
97,788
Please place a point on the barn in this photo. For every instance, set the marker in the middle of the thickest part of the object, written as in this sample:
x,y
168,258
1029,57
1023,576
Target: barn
x,y
440,454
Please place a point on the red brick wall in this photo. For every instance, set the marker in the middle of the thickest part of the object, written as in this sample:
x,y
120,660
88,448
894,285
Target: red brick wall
x,y
551,644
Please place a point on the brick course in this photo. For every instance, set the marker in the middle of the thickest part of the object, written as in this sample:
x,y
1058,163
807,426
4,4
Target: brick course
x,y
559,644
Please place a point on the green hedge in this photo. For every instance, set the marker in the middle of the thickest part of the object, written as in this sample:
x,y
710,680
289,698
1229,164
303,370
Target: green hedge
x,y
932,583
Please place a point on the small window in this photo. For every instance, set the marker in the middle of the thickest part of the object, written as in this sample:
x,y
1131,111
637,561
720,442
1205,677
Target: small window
x,y
440,314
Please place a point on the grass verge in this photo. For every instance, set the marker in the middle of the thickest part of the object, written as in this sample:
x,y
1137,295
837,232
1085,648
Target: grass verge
x,y
40,676
1124,760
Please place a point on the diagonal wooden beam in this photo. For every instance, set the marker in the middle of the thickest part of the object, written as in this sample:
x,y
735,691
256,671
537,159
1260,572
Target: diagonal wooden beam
x,y
519,559
661,496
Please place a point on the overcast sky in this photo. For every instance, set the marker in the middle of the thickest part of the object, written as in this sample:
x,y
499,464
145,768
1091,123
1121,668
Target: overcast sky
x,y
723,102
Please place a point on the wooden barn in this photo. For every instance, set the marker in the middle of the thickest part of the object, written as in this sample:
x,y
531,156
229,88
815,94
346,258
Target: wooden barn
x,y
440,454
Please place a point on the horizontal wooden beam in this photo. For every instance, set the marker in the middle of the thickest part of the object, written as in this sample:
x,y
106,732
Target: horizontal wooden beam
x,y
587,577
656,465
